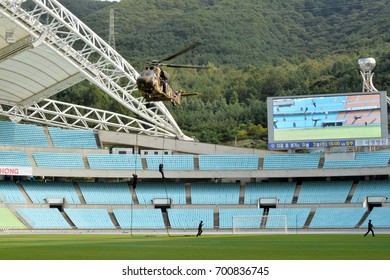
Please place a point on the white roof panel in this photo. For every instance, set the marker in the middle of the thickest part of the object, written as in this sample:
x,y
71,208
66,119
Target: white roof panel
x,y
27,70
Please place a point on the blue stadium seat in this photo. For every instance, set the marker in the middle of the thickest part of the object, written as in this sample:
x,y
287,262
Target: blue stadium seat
x,y
22,135
10,193
14,158
58,160
139,218
67,138
211,193
291,161
229,162
380,217
90,218
171,162
146,192
39,191
370,188
324,191
43,218
296,217
181,218
115,161
106,193
361,160
226,215
337,217
283,191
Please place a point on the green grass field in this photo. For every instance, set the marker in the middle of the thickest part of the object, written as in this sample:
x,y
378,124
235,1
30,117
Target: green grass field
x,y
207,247
328,133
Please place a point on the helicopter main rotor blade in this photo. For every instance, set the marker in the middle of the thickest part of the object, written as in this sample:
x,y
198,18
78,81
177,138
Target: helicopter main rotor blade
x,y
184,66
180,52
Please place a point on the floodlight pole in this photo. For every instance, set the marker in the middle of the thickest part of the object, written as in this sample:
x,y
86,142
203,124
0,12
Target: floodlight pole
x,y
367,66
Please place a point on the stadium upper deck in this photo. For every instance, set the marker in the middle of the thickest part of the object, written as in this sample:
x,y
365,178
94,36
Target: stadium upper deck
x,y
41,151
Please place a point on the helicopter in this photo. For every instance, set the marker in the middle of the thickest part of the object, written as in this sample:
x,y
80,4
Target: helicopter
x,y
153,81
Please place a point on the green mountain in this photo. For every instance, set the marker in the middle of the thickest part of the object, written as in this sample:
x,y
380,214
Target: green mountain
x,y
257,48
239,33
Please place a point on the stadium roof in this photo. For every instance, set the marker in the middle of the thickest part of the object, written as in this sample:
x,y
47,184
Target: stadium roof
x,y
30,71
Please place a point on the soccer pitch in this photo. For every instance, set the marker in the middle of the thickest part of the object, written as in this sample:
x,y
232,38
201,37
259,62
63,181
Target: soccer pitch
x,y
328,133
206,247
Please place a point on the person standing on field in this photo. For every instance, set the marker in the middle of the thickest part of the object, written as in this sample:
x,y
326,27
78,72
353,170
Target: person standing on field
x,y
370,228
200,229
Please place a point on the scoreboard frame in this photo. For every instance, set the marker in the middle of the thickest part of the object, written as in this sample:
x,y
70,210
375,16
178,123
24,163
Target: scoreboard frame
x,y
327,120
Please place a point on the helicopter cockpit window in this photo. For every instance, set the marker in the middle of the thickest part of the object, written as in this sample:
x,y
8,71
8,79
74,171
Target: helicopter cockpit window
x,y
148,74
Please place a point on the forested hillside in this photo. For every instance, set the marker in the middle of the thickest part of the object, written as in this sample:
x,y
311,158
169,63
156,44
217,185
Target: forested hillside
x,y
256,49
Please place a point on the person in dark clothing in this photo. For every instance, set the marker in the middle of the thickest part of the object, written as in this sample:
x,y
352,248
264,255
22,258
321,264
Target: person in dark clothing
x,y
161,170
370,228
200,229
135,180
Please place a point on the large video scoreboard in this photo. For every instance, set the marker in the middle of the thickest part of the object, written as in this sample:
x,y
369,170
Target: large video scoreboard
x,y
331,120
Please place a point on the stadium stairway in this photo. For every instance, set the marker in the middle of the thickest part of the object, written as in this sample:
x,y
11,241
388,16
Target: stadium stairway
x,y
309,218
296,192
113,218
216,218
363,218
242,193
68,220
188,193
24,193
48,137
321,162
79,194
351,192
167,223
133,194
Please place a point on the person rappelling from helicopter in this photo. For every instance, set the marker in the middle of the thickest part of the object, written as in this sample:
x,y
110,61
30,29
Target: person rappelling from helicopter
x,y
164,77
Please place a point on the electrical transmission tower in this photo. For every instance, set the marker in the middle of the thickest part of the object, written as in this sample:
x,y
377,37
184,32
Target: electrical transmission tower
x,y
111,32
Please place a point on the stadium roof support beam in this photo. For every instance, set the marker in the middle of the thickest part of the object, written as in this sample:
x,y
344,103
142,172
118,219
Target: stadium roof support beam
x,y
55,29
66,115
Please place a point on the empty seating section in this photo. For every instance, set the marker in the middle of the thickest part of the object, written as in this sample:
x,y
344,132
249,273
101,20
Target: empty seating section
x,y
90,218
190,218
228,162
362,159
226,216
210,193
371,188
139,218
380,217
106,193
296,217
324,191
8,220
115,161
58,160
14,158
10,193
283,191
66,138
39,191
337,217
43,218
291,161
170,162
146,192
22,135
